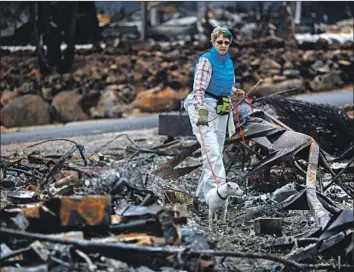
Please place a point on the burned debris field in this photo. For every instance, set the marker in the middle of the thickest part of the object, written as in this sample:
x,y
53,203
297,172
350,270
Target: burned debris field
x,y
125,202
122,196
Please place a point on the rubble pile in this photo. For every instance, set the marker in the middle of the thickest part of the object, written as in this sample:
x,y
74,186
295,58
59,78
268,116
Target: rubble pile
x,y
127,204
153,77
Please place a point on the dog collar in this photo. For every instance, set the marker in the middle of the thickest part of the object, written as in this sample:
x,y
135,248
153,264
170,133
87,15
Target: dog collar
x,y
217,191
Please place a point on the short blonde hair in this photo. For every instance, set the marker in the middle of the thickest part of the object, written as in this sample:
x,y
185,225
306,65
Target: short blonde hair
x,y
220,30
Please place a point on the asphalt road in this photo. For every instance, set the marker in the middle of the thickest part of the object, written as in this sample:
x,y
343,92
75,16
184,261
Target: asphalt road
x,y
336,98
82,128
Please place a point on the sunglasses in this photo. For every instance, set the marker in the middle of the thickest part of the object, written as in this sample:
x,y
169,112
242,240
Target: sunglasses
x,y
223,42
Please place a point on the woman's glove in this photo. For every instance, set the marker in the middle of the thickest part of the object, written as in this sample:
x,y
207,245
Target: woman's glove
x,y
203,117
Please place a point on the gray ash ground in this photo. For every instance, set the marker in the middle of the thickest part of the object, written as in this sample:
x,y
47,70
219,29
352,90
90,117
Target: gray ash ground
x,y
138,169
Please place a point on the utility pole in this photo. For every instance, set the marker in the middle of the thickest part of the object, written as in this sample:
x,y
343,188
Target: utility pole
x,y
297,19
143,21
201,6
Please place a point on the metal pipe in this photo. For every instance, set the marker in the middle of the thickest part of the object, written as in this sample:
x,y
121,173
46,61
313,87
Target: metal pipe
x,y
143,21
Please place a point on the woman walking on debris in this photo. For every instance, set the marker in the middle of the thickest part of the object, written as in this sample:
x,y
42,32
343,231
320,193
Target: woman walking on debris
x,y
209,108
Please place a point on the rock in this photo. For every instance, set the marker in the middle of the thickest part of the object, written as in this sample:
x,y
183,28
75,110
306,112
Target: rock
x,y
141,46
137,76
79,73
268,80
156,100
27,110
7,96
273,42
277,78
181,78
321,44
109,105
66,107
47,93
273,72
291,73
255,63
288,65
344,63
256,77
112,79
348,45
266,89
327,82
35,75
269,64
334,45
246,75
323,70
140,88
317,64
27,87
291,43
287,56
308,56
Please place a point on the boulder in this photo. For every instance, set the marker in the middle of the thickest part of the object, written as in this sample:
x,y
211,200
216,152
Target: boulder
x,y
66,107
334,45
268,63
141,46
288,65
328,81
255,63
27,110
277,78
344,63
266,89
323,70
348,45
273,42
158,99
308,57
110,105
7,96
321,44
291,73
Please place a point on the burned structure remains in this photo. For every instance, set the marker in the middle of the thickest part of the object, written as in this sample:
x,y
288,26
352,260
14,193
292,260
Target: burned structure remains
x,y
130,207
126,202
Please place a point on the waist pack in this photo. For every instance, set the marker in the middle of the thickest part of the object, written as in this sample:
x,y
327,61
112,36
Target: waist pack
x,y
223,106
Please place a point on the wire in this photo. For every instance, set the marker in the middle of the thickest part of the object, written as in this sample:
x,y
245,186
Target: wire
x,y
53,140
118,136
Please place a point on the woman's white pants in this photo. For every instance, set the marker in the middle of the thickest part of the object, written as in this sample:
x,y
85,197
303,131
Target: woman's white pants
x,y
211,139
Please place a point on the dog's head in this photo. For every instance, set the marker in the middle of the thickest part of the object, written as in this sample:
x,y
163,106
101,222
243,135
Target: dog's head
x,y
233,189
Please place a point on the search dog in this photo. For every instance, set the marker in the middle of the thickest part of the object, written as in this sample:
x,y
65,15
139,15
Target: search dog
x,y
217,199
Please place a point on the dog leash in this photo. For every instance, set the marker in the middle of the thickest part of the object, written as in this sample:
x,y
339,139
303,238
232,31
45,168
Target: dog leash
x,y
237,114
211,168
206,154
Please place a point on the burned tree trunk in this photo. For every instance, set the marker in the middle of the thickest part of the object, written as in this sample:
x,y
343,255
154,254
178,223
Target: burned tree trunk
x,y
54,23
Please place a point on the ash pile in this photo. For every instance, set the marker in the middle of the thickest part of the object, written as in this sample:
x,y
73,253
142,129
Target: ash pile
x,y
127,204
